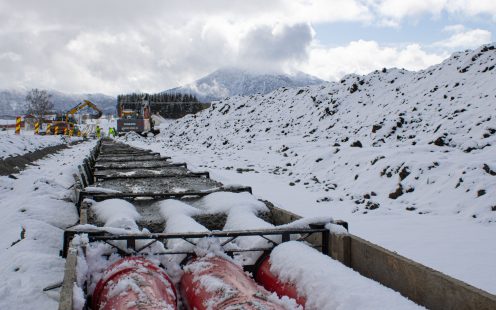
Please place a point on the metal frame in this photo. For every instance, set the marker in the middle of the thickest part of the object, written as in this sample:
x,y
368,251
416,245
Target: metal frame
x,y
98,167
100,196
95,235
126,153
152,176
119,159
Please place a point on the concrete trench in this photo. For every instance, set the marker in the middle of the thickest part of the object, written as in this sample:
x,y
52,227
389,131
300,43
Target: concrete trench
x,y
425,286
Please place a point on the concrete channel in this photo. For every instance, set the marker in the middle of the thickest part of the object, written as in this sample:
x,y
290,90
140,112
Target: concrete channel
x,y
111,169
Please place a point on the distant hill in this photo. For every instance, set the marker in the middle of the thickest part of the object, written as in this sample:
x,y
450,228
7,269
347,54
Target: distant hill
x,y
227,82
12,101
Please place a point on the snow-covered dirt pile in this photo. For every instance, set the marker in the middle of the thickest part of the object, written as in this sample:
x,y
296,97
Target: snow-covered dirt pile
x,y
35,210
391,140
12,144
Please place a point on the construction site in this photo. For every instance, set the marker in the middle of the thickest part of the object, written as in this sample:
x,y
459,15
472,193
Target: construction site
x,y
152,234
373,192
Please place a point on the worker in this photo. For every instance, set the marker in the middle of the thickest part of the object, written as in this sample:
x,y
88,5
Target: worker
x,y
98,132
111,131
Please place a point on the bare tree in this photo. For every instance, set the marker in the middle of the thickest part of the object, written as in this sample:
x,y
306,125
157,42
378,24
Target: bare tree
x,y
38,103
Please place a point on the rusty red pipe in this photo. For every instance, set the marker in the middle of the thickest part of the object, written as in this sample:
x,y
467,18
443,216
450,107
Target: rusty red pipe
x,y
272,283
217,283
134,283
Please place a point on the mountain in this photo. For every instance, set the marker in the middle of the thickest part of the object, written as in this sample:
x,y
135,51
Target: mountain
x,y
12,101
389,142
229,82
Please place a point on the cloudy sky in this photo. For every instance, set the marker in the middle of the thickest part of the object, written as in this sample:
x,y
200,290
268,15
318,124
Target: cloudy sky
x,y
113,46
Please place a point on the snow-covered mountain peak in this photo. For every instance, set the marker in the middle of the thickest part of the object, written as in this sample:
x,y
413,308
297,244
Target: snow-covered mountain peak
x,y
231,81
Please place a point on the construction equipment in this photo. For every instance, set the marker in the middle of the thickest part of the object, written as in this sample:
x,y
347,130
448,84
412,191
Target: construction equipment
x,y
82,105
135,117
67,122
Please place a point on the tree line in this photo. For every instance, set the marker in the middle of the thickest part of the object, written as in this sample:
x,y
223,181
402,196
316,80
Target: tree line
x,y
156,98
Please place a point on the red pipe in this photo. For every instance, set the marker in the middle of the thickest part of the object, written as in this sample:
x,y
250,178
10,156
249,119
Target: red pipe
x,y
216,283
272,283
134,283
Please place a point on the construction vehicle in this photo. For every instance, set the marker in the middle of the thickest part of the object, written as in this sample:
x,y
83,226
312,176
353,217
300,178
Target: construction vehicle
x,y
135,117
82,105
67,121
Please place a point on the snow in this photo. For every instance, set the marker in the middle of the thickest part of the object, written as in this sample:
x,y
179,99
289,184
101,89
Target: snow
x,y
411,153
178,219
232,81
94,189
117,213
312,272
223,202
79,299
12,144
36,208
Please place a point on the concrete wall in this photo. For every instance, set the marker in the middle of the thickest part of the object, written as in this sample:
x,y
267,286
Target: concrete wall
x,y
425,286
66,293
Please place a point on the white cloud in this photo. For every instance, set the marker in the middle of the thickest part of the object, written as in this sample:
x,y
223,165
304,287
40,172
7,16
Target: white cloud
x,y
362,57
272,49
391,12
464,38
119,45
454,28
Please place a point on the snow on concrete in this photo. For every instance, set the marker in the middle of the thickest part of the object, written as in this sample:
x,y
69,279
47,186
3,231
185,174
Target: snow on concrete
x,y
407,158
12,144
178,219
328,284
117,213
223,202
35,209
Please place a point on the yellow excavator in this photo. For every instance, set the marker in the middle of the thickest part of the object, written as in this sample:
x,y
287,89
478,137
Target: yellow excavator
x,y
82,105
68,121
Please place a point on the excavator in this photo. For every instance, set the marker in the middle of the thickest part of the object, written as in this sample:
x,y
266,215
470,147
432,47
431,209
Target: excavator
x,y
68,121
82,105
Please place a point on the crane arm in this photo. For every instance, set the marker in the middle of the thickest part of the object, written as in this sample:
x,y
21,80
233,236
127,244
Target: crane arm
x,y
82,105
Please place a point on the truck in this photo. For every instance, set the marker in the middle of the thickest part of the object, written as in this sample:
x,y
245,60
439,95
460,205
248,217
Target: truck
x,y
135,117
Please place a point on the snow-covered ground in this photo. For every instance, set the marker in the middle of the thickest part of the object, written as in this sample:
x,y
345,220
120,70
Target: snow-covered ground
x,y
12,144
406,157
35,209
